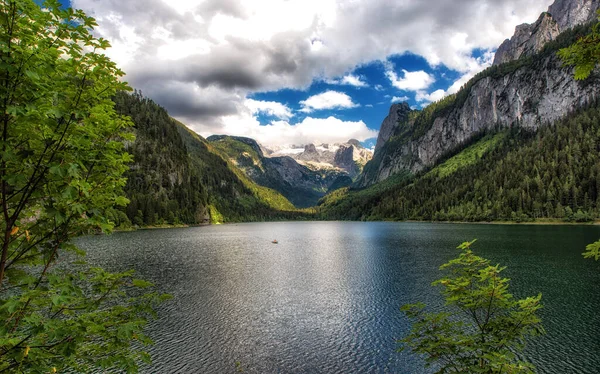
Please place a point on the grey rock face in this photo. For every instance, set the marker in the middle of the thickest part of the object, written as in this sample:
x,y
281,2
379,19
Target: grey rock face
x,y
397,113
530,38
355,143
346,159
310,149
350,157
569,13
312,154
529,97
301,185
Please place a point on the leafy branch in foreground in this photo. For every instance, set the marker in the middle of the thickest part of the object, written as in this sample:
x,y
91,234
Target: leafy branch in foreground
x,y
61,174
584,54
592,251
485,327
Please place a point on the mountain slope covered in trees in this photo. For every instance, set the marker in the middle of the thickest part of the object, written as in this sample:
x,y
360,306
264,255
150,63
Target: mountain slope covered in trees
x,y
299,184
518,142
514,174
529,92
177,177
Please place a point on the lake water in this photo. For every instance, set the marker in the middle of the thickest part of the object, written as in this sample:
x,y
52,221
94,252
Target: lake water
x,y
326,299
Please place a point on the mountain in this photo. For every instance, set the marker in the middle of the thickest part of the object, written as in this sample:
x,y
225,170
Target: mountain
x,y
301,185
349,157
516,174
178,177
488,152
529,92
529,39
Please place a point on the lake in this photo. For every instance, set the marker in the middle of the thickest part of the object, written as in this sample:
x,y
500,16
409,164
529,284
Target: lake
x,y
326,299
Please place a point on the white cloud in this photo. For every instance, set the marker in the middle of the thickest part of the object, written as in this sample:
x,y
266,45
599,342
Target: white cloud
x,y
271,108
412,80
369,105
397,99
280,133
350,80
434,96
476,66
222,51
327,100
355,81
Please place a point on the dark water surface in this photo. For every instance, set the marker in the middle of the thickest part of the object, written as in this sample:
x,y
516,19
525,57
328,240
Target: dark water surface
x,y
326,299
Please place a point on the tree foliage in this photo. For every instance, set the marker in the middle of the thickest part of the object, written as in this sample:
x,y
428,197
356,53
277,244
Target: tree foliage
x,y
584,54
61,173
515,175
592,251
161,184
177,177
485,324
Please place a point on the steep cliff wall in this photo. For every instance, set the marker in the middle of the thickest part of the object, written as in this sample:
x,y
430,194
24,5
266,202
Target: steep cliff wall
x,y
529,39
532,91
569,13
398,113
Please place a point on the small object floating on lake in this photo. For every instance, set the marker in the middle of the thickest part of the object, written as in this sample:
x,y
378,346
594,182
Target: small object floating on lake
x,y
275,241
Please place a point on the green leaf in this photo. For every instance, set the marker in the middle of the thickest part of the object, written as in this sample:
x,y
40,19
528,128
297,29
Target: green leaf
x,y
141,283
592,251
483,324
32,74
63,163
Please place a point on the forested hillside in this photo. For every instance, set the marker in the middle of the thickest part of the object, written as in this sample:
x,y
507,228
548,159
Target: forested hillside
x,y
236,197
177,178
299,184
514,174
529,92
161,185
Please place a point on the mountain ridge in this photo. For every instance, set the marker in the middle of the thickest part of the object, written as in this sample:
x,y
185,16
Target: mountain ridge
x,y
529,39
529,92
300,184
177,177
349,157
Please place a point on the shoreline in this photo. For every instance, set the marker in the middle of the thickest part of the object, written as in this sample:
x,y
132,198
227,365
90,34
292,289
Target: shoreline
x,y
528,223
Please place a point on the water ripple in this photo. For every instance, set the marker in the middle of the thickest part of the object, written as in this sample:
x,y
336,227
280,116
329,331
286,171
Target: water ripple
x,y
326,299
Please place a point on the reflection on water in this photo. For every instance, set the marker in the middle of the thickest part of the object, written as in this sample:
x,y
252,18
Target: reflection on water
x,y
326,298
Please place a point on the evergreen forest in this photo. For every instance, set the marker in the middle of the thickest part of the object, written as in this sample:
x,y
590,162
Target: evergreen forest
x,y
510,175
177,177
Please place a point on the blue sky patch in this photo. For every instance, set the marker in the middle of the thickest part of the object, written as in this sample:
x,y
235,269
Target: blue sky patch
x,y
374,100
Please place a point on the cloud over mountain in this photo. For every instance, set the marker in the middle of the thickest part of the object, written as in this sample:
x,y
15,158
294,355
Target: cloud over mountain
x,y
202,59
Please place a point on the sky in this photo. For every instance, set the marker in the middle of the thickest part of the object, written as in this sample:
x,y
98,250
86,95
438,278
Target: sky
x,y
301,71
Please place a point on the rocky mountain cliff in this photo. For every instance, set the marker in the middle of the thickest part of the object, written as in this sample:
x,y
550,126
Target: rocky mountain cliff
x,y
398,113
349,157
531,91
529,39
300,184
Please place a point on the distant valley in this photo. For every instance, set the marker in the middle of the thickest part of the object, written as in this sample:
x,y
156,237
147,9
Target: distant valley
x,y
302,175
454,160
